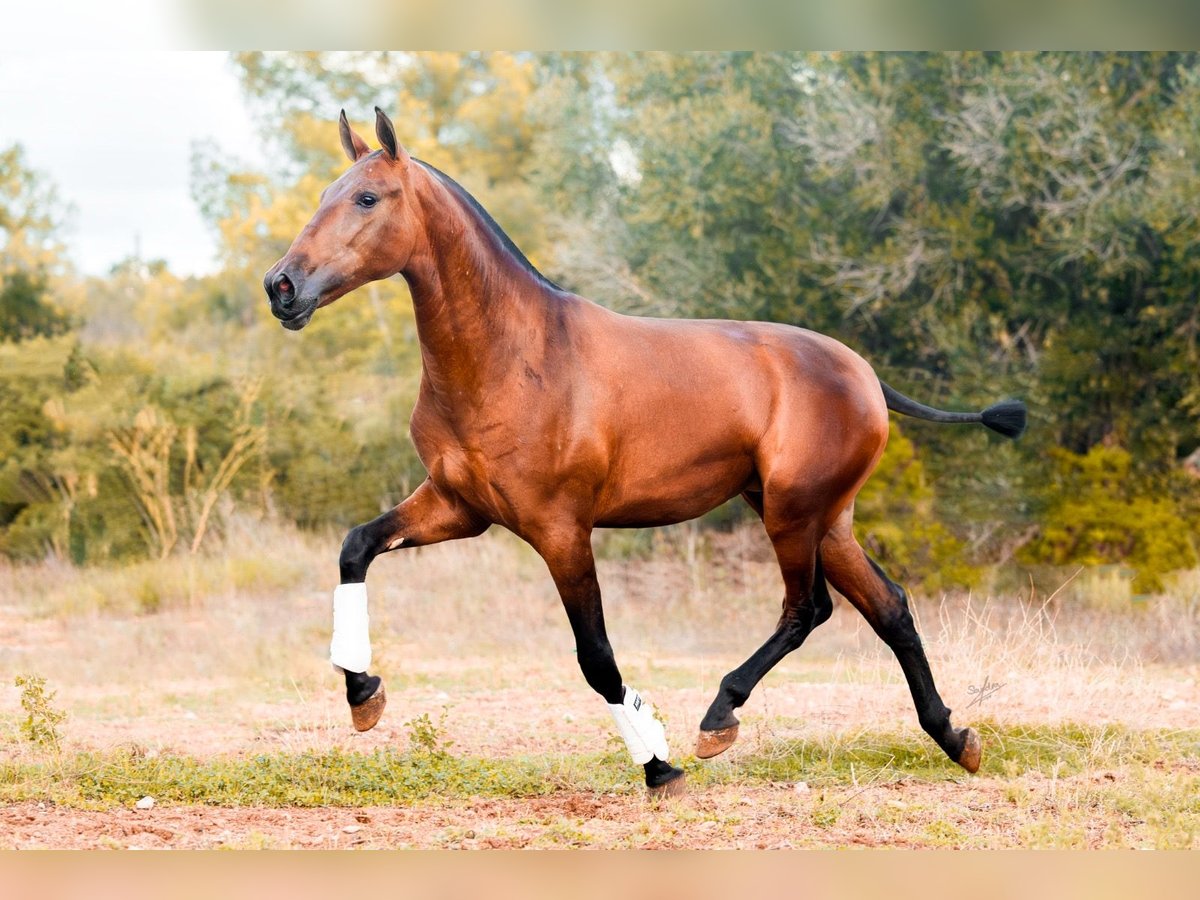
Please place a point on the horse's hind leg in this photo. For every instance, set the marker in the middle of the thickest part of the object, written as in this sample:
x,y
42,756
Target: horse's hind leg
x,y
885,606
806,604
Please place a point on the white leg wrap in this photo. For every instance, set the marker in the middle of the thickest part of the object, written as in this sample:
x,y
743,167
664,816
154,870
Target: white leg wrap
x,y
350,648
643,733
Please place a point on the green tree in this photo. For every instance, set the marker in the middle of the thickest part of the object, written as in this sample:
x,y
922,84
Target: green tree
x,y
25,310
896,518
976,224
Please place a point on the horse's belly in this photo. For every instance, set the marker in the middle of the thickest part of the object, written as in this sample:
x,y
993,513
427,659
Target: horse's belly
x,y
663,495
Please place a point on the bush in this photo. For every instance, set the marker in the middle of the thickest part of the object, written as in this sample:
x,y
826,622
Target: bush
x,y
25,310
1095,512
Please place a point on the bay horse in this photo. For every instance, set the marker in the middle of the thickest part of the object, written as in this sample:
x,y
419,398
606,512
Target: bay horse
x,y
550,415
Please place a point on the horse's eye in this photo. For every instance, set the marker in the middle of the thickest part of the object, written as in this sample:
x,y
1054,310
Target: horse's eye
x,y
366,201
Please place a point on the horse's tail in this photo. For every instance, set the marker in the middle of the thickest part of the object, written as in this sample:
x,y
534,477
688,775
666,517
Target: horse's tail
x,y
1006,417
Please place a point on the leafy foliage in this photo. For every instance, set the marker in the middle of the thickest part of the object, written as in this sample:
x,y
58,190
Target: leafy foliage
x,y
1095,514
42,718
25,311
977,225
30,218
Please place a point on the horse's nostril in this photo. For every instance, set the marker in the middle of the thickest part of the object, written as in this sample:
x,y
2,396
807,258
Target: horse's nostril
x,y
284,289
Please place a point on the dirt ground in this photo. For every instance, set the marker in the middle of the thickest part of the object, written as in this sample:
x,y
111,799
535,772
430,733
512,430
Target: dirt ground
x,y
752,818
205,719
242,676
959,812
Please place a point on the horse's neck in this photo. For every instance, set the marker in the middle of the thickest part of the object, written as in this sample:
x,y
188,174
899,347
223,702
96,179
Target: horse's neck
x,y
477,309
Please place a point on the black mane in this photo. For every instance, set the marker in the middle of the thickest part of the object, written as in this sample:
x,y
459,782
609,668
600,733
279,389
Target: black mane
x,y
505,241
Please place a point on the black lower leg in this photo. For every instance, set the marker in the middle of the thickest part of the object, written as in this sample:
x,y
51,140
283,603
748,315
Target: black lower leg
x,y
359,549
899,632
795,625
736,686
362,544
581,597
932,713
602,675
600,670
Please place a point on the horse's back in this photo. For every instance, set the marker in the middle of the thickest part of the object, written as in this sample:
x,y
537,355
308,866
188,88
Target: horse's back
x,y
750,370
725,406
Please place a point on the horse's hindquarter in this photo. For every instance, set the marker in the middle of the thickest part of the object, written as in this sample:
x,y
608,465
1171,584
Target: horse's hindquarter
x,y
699,411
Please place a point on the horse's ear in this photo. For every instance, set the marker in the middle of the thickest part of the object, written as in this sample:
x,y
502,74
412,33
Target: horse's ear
x,y
387,136
356,148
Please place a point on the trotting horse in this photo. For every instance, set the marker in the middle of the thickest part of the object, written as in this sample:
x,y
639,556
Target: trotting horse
x,y
550,415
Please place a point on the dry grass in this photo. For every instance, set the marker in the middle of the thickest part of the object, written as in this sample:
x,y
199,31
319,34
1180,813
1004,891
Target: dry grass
x,y
483,614
221,658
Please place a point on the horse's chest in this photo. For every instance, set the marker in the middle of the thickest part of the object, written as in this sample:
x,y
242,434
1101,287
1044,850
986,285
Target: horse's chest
x,y
492,462
472,473
479,480
463,472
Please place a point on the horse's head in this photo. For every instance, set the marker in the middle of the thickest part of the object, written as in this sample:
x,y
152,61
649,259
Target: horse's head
x,y
364,230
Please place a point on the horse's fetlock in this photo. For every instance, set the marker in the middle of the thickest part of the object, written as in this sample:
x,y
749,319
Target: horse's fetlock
x,y
735,690
934,725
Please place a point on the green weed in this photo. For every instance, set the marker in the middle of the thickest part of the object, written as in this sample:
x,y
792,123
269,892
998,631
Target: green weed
x,y
1009,750
42,718
427,769
427,739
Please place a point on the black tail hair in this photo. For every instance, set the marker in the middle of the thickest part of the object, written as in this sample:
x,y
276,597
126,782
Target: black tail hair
x,y
1006,417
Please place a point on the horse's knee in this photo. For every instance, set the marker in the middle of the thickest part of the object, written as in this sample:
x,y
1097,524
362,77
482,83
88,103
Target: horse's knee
x,y
358,549
735,688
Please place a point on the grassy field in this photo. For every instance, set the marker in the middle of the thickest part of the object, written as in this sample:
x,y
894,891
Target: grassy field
x,y
202,683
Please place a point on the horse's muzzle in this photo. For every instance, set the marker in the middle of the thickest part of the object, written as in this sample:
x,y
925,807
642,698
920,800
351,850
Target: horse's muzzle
x,y
298,321
283,293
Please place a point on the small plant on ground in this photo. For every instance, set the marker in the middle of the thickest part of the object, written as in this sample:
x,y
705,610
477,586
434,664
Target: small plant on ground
x,y
426,738
42,718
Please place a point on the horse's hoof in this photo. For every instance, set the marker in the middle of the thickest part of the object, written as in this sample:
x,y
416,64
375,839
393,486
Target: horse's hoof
x,y
670,790
972,752
712,743
367,714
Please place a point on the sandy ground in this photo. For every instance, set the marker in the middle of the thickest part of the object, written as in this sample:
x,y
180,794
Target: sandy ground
x,y
207,719
217,718
537,702
759,818
960,811
238,677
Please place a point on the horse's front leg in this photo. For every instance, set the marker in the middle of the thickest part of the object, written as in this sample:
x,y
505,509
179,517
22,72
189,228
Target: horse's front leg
x,y
569,558
429,516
